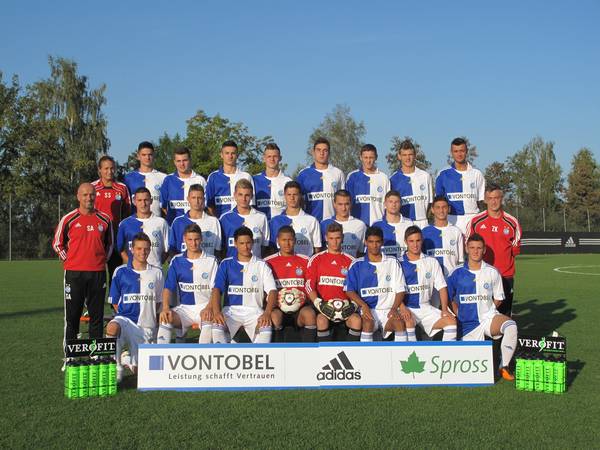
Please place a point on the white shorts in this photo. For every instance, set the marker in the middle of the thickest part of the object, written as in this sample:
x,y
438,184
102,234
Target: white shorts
x,y
242,316
421,223
189,315
482,330
461,221
427,316
133,335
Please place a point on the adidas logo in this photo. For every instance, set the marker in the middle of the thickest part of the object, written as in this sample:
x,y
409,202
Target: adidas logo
x,y
339,368
333,263
483,227
570,242
288,265
77,225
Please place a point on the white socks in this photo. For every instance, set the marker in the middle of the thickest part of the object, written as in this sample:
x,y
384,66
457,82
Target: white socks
x,y
449,333
263,336
165,333
509,341
400,336
366,336
206,331
412,336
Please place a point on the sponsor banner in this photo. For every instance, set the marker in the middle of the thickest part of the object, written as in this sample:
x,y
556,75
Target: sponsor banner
x,y
75,348
189,367
560,242
547,345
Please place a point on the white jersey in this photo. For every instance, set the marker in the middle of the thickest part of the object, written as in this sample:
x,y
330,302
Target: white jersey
x,y
269,195
318,187
367,191
155,227
152,181
308,231
136,292
255,220
192,280
211,233
244,283
422,277
376,283
220,188
416,191
354,234
393,235
445,244
174,192
463,189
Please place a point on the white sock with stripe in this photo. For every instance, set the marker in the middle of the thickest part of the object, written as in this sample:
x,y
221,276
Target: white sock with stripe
x,y
509,341
165,333
449,333
400,336
412,336
205,333
218,334
366,336
264,335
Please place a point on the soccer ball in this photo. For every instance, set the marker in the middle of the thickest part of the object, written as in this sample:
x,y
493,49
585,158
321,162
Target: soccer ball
x,y
290,300
337,309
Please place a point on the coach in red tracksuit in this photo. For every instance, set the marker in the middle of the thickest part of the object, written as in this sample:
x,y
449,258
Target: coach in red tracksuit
x,y
83,241
502,235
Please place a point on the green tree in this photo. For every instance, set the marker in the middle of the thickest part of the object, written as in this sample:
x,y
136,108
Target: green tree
x,y
498,173
471,155
583,192
392,157
345,135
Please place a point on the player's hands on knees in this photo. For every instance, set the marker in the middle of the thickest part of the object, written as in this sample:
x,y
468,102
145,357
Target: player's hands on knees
x,y
366,313
166,316
405,313
394,314
206,314
264,320
218,318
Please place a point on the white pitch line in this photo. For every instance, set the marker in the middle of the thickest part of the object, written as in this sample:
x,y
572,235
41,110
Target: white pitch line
x,y
560,270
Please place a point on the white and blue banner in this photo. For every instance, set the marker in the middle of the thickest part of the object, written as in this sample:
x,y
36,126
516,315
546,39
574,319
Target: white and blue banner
x,y
193,367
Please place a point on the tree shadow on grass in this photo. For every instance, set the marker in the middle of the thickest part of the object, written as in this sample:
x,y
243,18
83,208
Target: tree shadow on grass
x,y
542,318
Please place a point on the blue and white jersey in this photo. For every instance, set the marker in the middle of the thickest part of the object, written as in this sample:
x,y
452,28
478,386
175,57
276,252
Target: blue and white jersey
x,y
367,191
422,277
416,191
220,188
376,283
192,279
174,191
244,283
462,189
151,181
255,220
445,244
393,235
268,193
474,291
155,227
354,234
318,187
211,233
308,231
136,292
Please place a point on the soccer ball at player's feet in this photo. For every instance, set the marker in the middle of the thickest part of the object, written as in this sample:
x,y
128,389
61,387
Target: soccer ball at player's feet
x,y
290,300
337,309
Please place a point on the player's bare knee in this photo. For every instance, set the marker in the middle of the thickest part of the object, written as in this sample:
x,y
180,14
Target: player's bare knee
x,y
396,325
276,318
307,316
367,325
322,322
410,323
354,322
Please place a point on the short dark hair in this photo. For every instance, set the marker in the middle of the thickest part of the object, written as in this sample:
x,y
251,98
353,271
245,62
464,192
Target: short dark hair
x,y
192,228
393,193
140,237
374,231
440,198
106,158
368,148
492,187
145,144
272,146
406,144
242,231
321,140
476,237
292,185
335,227
142,190
229,143
413,229
459,141
196,188
341,193
182,151
286,229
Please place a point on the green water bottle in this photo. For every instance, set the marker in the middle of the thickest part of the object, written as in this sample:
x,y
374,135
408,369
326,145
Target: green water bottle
x,y
103,377
72,380
529,373
549,375
93,378
520,374
559,377
538,370
112,377
83,380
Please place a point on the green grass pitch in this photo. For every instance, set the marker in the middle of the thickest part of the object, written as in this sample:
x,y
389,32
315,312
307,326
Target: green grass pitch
x,y
35,413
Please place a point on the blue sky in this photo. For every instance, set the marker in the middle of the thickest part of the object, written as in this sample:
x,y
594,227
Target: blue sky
x,y
499,73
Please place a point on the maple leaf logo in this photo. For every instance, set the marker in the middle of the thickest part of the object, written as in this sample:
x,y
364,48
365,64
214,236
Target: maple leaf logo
x,y
412,364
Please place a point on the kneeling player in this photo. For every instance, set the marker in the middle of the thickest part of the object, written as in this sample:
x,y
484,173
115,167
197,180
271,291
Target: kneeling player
x,y
325,286
191,277
243,280
134,291
375,282
423,274
289,270
476,291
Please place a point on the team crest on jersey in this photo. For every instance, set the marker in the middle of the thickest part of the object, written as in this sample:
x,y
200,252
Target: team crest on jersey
x,y
379,189
254,278
388,278
422,187
428,275
204,275
303,230
100,228
452,241
344,271
118,196
157,187
151,285
353,237
486,285
280,192
156,234
255,229
299,271
506,231
472,185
